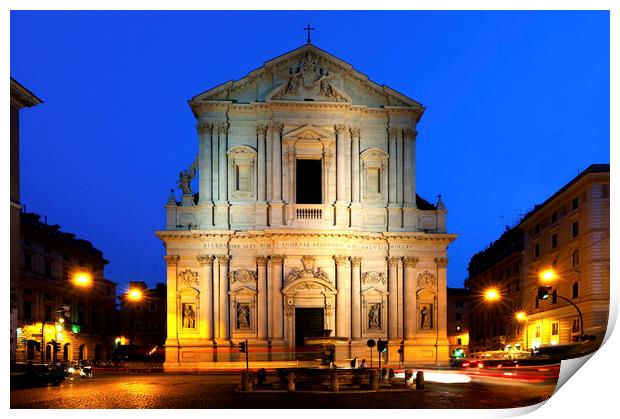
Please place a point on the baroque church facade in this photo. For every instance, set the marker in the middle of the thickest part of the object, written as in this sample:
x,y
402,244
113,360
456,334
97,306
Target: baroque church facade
x,y
306,223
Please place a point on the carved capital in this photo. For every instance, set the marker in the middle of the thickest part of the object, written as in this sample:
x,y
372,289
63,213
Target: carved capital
x,y
171,260
261,129
355,133
204,127
341,260
276,127
393,133
356,261
410,262
441,262
205,260
277,259
223,259
409,134
393,261
340,129
223,127
327,158
261,260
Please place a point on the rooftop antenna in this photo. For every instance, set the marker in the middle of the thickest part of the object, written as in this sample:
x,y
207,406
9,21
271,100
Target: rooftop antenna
x,y
308,28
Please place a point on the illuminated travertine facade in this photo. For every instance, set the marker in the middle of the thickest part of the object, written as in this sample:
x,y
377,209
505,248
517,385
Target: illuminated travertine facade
x,y
306,219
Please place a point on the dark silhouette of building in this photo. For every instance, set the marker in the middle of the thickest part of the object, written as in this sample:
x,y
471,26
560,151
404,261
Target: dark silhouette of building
x,y
458,307
143,321
65,306
20,98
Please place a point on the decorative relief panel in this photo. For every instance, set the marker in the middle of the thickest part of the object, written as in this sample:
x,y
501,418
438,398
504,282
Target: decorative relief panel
x,y
374,278
243,276
188,278
307,271
426,280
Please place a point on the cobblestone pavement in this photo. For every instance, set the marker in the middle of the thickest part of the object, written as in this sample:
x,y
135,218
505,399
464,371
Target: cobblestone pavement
x,y
204,391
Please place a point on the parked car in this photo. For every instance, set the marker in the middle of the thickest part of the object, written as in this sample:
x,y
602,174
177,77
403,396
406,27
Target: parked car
x,y
28,374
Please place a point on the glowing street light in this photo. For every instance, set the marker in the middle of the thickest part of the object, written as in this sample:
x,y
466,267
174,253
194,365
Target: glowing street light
x,y
548,275
491,294
134,294
82,279
521,316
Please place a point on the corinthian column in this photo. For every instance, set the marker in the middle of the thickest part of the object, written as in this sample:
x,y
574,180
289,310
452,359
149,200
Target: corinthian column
x,y
206,295
409,311
392,186
356,314
261,133
343,298
275,291
224,308
261,315
440,311
340,129
204,160
355,165
172,267
392,297
409,185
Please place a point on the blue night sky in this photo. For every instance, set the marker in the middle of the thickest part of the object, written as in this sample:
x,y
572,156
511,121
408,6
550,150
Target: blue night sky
x,y
517,103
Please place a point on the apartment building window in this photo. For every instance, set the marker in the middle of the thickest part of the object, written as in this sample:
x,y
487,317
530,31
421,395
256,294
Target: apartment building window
x,y
554,240
65,257
575,290
576,325
28,311
516,284
458,303
575,203
537,331
575,257
575,228
152,327
48,250
554,217
65,273
48,313
459,341
555,329
48,268
457,317
27,241
27,262
153,306
554,297
537,250
537,229
536,303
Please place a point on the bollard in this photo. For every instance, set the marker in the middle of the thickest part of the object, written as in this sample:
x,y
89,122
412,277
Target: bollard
x,y
291,380
419,380
334,381
374,379
409,378
246,381
390,374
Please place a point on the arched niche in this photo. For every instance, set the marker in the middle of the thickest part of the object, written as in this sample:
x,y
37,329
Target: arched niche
x,y
188,311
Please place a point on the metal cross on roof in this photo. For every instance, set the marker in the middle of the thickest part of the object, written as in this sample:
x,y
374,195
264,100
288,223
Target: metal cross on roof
x,y
308,28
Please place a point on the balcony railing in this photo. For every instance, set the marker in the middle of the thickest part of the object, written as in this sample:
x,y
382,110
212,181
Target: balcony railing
x,y
308,211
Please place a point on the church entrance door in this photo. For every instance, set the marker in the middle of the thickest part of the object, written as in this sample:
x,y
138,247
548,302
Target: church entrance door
x,y
308,323
309,181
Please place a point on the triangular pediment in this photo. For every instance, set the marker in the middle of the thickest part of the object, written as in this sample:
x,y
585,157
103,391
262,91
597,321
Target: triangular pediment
x,y
308,132
307,74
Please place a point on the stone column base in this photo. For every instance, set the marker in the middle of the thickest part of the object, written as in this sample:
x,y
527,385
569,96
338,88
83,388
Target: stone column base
x,y
221,215
260,219
395,218
342,215
276,214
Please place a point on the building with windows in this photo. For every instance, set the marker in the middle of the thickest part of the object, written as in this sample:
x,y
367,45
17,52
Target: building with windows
x,y
493,324
20,98
306,222
143,318
65,306
568,236
458,306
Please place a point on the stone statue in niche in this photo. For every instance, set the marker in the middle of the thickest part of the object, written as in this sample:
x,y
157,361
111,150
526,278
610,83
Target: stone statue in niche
x,y
185,177
374,316
426,321
243,316
189,316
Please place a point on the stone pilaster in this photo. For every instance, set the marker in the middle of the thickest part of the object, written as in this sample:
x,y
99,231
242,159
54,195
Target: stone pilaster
x,y
399,168
276,332
224,303
261,176
342,210
356,206
442,297
172,268
206,295
393,297
221,206
356,313
394,209
409,291
276,205
343,298
261,262
290,188
205,130
215,155
410,219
